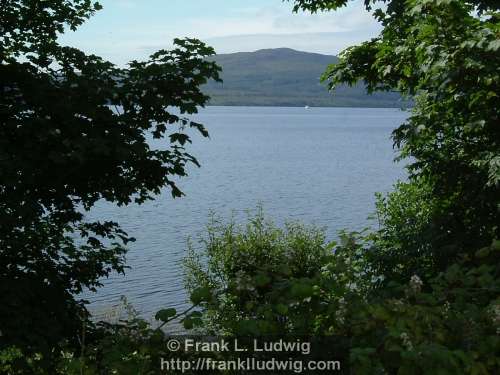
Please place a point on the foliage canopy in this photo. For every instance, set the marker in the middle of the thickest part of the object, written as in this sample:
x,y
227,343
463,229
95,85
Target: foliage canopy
x,y
75,129
446,54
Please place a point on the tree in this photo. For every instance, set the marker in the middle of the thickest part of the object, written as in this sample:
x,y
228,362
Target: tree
x,y
445,54
75,129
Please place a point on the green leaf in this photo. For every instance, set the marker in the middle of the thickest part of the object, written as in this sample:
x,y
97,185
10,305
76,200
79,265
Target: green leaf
x,y
495,245
199,295
261,280
165,314
483,253
188,323
281,309
331,245
302,289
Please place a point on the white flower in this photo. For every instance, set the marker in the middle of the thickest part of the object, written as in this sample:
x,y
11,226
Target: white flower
x,y
406,341
341,312
416,284
66,355
398,303
446,308
420,129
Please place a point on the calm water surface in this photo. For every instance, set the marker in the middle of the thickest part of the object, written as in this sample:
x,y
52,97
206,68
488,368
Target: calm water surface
x,y
320,166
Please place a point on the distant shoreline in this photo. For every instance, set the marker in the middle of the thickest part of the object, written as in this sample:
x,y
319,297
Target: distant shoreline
x,y
311,107
286,77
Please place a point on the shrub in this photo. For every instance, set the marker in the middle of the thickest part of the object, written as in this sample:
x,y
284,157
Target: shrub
x,y
259,280
260,277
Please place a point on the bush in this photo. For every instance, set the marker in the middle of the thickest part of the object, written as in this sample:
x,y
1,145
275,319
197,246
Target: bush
x,y
402,245
259,280
254,273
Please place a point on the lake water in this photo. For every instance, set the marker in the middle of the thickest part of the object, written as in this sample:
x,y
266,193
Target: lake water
x,y
321,166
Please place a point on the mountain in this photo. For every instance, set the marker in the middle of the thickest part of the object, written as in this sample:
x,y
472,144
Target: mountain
x,y
285,77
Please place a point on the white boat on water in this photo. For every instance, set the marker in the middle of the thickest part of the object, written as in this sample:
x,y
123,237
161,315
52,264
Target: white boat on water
x,y
306,107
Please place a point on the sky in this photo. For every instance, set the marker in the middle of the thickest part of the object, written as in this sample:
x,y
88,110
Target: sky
x,y
125,30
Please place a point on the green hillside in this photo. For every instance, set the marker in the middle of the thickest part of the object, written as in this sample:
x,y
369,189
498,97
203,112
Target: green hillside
x,y
285,77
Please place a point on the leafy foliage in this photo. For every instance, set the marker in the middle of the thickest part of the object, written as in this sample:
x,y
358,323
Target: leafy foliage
x,y
446,55
439,229
403,243
249,277
75,129
264,280
447,325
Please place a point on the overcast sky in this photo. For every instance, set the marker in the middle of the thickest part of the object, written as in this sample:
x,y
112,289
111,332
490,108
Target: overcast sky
x,y
133,29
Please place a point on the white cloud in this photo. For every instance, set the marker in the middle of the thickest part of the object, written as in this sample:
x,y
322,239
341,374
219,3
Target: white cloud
x,y
280,20
242,29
